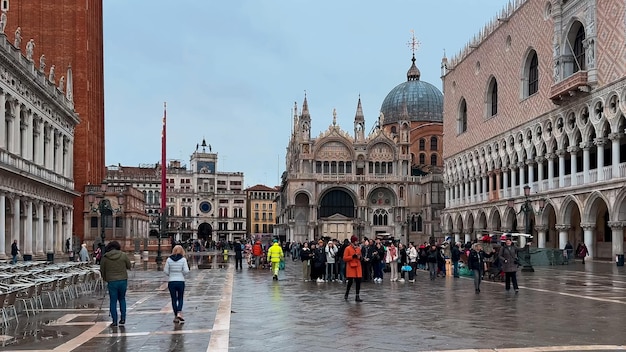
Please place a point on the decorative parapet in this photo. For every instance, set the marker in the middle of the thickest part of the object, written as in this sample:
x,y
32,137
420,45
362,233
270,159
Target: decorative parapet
x,y
569,87
491,26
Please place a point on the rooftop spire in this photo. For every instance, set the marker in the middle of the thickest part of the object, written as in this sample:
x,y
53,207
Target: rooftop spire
x,y
305,106
359,111
414,73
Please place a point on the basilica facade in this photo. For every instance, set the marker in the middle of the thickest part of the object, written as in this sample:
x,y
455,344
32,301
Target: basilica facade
x,y
536,101
383,184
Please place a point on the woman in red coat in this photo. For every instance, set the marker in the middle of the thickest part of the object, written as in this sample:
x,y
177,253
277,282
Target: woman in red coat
x,y
352,257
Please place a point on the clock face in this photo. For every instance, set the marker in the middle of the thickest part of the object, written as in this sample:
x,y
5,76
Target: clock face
x,y
205,207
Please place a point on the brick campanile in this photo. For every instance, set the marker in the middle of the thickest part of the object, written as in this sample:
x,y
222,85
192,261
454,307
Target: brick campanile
x,y
70,32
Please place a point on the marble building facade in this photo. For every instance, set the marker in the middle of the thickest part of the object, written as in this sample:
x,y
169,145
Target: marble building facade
x,y
36,152
537,99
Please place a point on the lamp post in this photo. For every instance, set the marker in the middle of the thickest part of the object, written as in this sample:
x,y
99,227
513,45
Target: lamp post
x,y
527,209
104,206
162,229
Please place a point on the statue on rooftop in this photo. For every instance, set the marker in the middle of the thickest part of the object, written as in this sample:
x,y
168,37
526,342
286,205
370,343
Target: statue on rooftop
x,y
3,22
51,74
30,47
42,62
18,38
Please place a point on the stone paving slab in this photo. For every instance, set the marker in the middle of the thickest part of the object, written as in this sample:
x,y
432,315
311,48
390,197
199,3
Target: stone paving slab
x,y
560,308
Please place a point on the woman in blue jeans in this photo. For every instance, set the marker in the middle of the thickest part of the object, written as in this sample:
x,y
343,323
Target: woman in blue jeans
x,y
176,267
113,267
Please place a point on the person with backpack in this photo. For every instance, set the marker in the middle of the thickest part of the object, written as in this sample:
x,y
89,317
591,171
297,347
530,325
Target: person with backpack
x,y
257,252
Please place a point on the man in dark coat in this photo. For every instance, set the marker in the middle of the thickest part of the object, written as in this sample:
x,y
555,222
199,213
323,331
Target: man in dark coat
x,y
455,256
238,255
14,251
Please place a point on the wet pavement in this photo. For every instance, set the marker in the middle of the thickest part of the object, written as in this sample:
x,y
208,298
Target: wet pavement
x,y
572,307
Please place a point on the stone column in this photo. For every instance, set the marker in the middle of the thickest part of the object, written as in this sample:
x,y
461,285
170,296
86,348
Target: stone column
x,y
447,188
69,215
484,190
478,180
615,154
522,177
551,158
3,131
541,236
617,237
472,190
586,148
562,235
3,220
561,154
11,122
505,182
50,230
58,231
588,238
513,177
27,251
28,150
15,233
574,164
457,237
17,131
468,238
600,144
39,238
490,181
531,172
58,152
47,149
496,187
540,160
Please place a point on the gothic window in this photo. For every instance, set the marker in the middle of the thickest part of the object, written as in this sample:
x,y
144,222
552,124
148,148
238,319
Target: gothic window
x,y
433,143
462,119
531,74
579,50
381,217
422,144
422,159
492,98
420,224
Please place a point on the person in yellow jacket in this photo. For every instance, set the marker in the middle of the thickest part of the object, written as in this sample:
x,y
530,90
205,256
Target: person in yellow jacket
x,y
275,256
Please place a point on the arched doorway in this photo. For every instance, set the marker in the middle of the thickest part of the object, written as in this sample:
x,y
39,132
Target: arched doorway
x,y
205,232
336,214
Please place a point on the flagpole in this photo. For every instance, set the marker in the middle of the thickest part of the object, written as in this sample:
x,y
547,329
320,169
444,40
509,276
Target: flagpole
x,y
163,229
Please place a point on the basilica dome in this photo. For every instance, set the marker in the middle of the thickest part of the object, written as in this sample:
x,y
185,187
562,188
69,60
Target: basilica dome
x,y
422,101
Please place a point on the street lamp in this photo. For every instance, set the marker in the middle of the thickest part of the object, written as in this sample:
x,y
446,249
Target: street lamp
x,y
527,208
103,207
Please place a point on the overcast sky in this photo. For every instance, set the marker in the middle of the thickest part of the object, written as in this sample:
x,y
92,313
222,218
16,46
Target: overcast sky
x,y
231,70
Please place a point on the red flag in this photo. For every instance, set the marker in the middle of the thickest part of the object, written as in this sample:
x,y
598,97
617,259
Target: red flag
x,y
163,161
